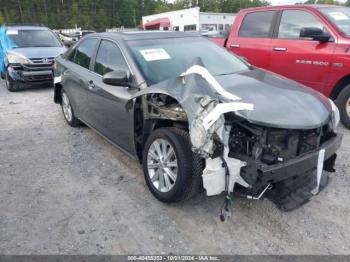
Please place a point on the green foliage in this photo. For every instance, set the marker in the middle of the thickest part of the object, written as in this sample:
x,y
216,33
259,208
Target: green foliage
x,y
101,14
2,19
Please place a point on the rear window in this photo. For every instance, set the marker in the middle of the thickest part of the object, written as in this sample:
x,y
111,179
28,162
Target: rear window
x,y
257,25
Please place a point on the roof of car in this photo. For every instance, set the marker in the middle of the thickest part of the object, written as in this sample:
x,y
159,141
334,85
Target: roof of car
x,y
279,7
25,27
141,35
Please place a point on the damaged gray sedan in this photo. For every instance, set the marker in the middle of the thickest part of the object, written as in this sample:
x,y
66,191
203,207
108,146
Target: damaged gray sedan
x,y
197,117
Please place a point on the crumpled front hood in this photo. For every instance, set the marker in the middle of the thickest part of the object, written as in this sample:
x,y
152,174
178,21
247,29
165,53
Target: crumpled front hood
x,y
39,52
278,102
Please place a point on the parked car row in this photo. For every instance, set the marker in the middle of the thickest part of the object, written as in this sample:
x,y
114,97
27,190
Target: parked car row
x,y
195,115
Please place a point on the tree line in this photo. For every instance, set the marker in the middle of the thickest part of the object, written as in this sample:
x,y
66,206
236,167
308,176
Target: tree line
x,y
101,14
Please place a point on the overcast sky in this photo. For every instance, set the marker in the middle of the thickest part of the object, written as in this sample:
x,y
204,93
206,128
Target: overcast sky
x,y
280,2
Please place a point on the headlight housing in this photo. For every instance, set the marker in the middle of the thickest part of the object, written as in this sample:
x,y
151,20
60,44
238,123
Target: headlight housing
x,y
14,58
335,115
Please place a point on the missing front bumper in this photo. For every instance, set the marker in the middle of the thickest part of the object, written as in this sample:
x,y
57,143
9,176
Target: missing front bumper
x,y
31,77
259,175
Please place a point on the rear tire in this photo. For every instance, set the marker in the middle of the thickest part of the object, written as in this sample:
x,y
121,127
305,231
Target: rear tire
x,y
68,111
11,85
343,103
294,192
189,166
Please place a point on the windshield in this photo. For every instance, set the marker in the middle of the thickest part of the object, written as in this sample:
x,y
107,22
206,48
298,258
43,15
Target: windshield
x,y
33,38
340,16
160,59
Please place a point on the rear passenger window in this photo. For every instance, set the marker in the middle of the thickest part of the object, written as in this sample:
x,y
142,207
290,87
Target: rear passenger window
x,y
293,21
257,25
84,52
109,58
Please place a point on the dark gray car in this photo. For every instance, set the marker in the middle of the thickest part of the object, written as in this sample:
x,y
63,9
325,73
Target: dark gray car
x,y
30,59
195,115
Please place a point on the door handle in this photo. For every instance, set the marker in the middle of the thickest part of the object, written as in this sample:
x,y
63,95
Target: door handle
x,y
91,85
280,49
235,45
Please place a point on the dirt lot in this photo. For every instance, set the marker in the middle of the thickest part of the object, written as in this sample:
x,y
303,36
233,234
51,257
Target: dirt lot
x,y
67,191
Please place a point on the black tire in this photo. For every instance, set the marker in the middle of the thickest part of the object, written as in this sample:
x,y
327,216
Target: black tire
x,y
343,103
11,85
294,192
73,121
190,165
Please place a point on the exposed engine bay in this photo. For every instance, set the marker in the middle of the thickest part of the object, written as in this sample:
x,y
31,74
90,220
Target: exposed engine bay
x,y
271,145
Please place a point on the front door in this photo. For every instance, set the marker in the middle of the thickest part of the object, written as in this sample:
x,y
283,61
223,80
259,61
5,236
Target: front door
x,y
306,61
108,112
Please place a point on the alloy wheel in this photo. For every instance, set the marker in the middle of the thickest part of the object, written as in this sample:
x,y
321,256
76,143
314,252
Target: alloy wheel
x,y
162,165
67,109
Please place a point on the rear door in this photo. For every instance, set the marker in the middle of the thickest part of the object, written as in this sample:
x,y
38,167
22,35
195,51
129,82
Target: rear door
x,y
253,39
75,78
107,104
306,61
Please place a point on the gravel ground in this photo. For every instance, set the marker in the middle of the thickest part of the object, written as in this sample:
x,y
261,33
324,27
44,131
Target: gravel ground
x,y
68,191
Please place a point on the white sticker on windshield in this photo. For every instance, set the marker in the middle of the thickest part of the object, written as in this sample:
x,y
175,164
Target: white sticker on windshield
x,y
12,32
339,16
155,54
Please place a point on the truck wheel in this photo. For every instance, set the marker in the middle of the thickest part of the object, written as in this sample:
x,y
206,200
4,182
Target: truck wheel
x,y
67,110
172,171
343,103
11,85
294,192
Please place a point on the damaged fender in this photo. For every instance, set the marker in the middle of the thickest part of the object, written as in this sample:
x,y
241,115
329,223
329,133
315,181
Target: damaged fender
x,y
204,101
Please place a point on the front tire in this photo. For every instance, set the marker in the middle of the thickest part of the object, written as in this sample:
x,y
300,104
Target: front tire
x,y
172,171
343,103
68,111
11,85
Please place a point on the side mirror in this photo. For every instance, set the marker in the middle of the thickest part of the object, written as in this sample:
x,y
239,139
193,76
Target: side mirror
x,y
117,78
314,33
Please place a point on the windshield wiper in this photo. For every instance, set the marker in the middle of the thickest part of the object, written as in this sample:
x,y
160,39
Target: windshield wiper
x,y
42,46
225,74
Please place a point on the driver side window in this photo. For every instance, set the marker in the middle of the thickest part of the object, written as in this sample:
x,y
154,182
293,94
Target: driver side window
x,y
109,58
293,21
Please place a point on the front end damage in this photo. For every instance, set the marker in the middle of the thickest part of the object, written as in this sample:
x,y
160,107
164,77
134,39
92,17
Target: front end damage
x,y
241,155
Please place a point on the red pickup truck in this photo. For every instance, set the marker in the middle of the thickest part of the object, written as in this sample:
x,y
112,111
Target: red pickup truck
x,y
307,43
